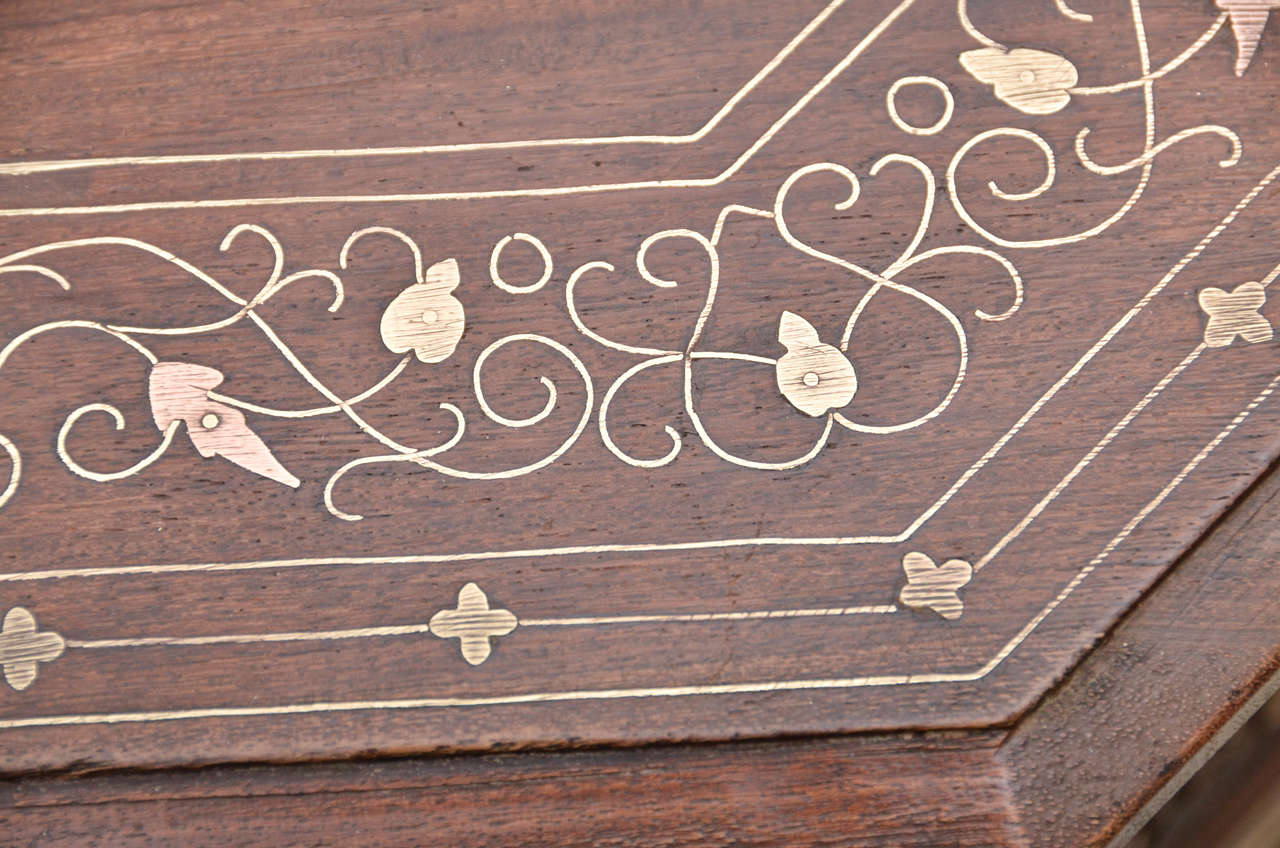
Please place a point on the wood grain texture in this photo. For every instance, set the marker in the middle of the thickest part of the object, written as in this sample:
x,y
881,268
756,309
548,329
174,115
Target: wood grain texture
x,y
839,792
1157,689
390,381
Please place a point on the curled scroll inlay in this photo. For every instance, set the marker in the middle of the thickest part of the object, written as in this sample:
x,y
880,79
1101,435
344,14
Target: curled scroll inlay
x,y
816,377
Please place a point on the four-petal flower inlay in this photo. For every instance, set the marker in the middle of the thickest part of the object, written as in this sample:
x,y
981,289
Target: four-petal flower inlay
x,y
22,647
934,587
1235,314
473,623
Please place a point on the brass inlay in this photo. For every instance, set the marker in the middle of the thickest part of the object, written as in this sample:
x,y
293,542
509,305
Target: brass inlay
x,y
1036,82
1248,19
426,318
934,587
179,391
665,181
812,375
815,377
948,105
1235,314
23,647
473,624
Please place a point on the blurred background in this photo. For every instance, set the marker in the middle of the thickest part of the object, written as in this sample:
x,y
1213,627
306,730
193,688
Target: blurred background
x,y
1233,801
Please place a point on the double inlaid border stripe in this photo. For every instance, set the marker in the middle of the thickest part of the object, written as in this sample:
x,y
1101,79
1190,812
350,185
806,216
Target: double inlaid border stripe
x,y
488,194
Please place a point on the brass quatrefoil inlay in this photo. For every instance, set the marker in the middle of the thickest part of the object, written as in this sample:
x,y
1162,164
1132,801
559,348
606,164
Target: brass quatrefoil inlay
x,y
473,623
1235,314
22,647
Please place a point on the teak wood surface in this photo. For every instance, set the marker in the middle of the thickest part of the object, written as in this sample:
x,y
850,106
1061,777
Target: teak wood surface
x,y
833,422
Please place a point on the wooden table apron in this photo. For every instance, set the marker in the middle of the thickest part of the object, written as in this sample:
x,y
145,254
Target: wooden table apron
x,y
867,403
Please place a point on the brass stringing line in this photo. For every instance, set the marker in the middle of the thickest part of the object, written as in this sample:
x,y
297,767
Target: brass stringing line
x,y
962,12
1106,440
288,355
344,255
1133,523
755,615
22,168
1160,386
545,255
1089,457
419,629
1237,149
1072,13
460,428
678,691
102,477
1103,443
319,410
559,191
948,105
15,468
15,457
251,638
42,271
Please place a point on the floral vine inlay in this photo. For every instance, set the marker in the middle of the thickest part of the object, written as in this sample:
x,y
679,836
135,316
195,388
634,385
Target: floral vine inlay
x,y
426,318
1040,82
801,372
179,392
816,377
1036,82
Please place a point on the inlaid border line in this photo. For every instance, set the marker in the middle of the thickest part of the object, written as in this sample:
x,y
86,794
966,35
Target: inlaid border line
x,y
422,629
680,691
45,166
656,547
551,191
1115,431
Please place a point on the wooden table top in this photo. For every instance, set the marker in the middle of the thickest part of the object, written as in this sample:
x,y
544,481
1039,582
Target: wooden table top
x,y
829,422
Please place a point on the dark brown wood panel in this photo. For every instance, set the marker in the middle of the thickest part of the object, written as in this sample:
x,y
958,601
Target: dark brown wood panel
x,y
794,793
389,380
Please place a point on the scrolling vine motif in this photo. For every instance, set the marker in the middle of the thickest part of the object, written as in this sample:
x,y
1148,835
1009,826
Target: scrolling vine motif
x,y
1040,82
427,319
816,378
